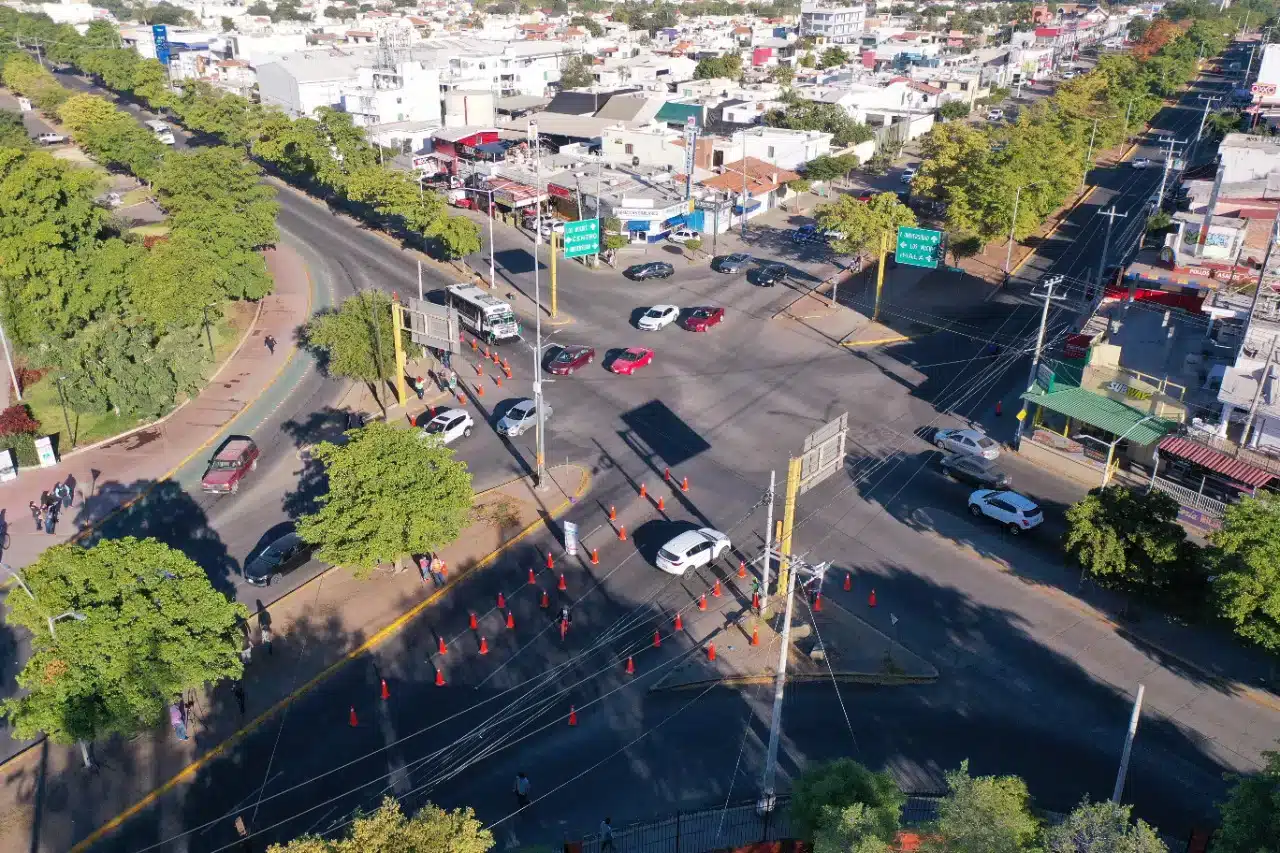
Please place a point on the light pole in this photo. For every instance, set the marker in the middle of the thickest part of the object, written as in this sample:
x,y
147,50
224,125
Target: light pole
x,y
70,614
493,278
1112,216
540,470
1050,284
1111,448
1017,195
62,398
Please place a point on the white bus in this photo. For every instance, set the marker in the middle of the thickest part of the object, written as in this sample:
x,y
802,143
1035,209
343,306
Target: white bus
x,y
488,318
161,131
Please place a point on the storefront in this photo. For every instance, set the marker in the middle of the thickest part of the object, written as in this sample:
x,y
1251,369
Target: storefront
x,y
653,224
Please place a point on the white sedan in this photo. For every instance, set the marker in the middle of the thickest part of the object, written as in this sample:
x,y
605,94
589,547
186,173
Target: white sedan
x,y
450,426
658,317
1141,163
692,550
968,441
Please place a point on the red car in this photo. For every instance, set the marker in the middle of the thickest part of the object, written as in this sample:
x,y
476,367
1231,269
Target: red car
x,y
702,319
629,361
569,359
233,460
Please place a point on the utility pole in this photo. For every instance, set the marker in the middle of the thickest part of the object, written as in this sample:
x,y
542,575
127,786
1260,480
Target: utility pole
x,y
1164,174
1128,745
1262,274
419,278
8,360
1112,216
884,256
1050,283
768,546
553,271
1013,224
779,687
540,469
745,197
788,521
1204,115
1257,393
1089,154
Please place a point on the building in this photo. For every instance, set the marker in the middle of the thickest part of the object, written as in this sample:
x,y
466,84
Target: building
x,y
652,145
749,187
409,92
838,23
788,149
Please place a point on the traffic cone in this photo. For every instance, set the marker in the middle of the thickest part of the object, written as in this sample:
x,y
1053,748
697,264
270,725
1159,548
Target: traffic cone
x,y
679,623
562,585
643,491
471,623
353,721
622,533
479,369
817,603
715,590
684,484
479,390
999,408
755,636
462,399
564,628
506,370
848,582
631,667
386,694
711,652
473,344
657,640
439,678
440,647
595,558
546,600
505,365
613,513
485,351
502,602
662,505
666,474
755,601
532,578
871,599
551,563
484,646
511,619
497,380
742,568
495,357
573,716
702,601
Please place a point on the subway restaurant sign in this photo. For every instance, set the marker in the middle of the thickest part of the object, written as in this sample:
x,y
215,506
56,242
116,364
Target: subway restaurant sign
x,y
581,238
919,247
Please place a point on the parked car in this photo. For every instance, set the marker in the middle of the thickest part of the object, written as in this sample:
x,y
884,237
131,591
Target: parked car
x,y
110,200
806,234
702,318
520,417
1069,74
450,425
967,441
236,457
658,317
691,550
730,263
51,138
976,471
1141,163
1016,512
570,358
908,174
770,274
549,225
683,235
653,269
280,557
630,360
995,114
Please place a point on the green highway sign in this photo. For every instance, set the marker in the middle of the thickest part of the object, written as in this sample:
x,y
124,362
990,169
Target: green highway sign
x,y
581,238
919,247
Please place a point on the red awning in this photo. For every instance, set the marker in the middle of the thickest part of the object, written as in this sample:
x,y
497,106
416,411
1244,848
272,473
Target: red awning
x,y
1241,472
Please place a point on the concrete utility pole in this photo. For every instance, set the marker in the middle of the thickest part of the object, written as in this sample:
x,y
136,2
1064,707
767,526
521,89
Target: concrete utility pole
x,y
1050,284
745,197
540,468
768,546
8,360
779,688
1204,115
1257,393
1164,174
1112,216
1013,224
1262,274
1128,745
1088,155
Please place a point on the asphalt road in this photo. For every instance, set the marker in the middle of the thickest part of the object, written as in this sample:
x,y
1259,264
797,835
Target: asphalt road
x,y
1026,688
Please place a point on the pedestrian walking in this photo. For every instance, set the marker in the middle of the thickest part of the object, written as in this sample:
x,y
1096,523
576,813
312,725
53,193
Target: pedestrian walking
x,y
266,637
178,721
522,789
246,651
270,343
566,615
51,518
37,515
437,570
238,690
63,493
606,834
419,386
424,567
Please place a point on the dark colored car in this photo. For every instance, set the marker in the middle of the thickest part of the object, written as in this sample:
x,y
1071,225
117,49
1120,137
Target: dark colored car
x,y
731,263
975,471
236,457
569,359
653,269
703,318
770,275
280,557
807,234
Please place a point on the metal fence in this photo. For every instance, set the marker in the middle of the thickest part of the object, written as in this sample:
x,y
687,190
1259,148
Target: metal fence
x,y
1190,498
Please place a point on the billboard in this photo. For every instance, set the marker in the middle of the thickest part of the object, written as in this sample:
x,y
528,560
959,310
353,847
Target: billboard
x,y
160,33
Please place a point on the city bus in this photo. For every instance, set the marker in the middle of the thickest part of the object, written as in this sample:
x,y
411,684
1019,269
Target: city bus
x,y
161,131
488,318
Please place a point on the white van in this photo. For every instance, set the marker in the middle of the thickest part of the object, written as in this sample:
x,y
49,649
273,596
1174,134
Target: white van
x,y
161,131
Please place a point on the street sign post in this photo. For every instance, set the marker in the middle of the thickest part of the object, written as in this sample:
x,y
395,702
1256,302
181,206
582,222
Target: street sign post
x,y
919,247
581,238
823,453
431,325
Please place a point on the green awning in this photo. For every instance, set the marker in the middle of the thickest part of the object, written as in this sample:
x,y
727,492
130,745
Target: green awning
x,y
1102,412
674,112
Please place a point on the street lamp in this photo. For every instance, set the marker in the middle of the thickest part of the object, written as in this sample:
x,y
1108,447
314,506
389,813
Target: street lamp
x,y
62,398
1013,224
70,614
493,279
1111,448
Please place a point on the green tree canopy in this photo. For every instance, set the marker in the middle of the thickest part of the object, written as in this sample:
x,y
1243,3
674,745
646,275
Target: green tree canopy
x,y
149,627
829,168
219,193
728,66
1251,813
588,24
851,829
783,74
833,56
457,236
388,829
1245,557
13,133
576,73
1101,828
987,814
820,797
829,118
953,110
391,493
863,223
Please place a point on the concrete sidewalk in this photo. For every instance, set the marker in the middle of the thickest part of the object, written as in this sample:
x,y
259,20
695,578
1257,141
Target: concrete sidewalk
x,y
117,472
317,629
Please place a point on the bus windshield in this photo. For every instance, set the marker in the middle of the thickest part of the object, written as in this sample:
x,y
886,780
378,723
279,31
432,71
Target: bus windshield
x,y
506,315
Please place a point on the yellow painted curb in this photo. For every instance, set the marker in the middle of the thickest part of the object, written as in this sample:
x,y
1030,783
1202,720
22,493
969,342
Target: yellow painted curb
x,y
373,641
879,678
894,340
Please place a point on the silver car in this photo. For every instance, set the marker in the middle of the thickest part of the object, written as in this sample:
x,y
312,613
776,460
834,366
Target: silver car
x,y
521,417
967,441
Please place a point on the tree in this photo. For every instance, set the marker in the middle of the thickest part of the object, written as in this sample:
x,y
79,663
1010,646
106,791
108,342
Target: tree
x,y
829,168
1131,539
953,110
431,829
862,224
576,73
219,193
13,133
259,10
144,625
693,245
227,24
783,74
1251,813
824,791
1138,28
988,814
355,340
1101,828
728,66
1245,557
833,56
391,493
1223,122
588,24
807,61
341,13
829,118
457,236
851,830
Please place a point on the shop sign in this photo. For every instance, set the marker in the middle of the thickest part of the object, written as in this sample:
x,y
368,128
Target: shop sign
x,y
558,192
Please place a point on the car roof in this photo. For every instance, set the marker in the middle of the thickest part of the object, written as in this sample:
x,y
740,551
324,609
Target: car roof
x,y
636,350
233,448
522,402
739,256
1022,502
686,540
664,308
970,433
286,541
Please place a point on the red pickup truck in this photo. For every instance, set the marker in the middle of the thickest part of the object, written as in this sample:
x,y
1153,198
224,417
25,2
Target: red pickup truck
x,y
227,468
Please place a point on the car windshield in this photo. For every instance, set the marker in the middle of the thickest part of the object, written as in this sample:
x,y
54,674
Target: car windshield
x,y
629,356
225,464
701,312
565,356
1030,510
737,259
985,442
522,411
654,312
271,556
434,427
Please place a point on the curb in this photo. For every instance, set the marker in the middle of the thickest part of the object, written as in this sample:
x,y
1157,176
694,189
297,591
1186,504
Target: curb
x,y
877,678
372,642
897,339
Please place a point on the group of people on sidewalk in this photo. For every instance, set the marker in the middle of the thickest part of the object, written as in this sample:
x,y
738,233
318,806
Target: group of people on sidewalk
x,y
52,503
521,790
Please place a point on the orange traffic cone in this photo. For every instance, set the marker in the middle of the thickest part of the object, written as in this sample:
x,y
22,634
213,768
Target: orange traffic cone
x,y
657,640
613,513
562,585
702,601
386,694
871,599
505,365
711,652
595,558
462,399
643,491
439,678
573,716
479,369
506,370
631,667
755,636
755,601
662,505
484,646
848,581
471,623
666,474
473,344
742,568
684,484
546,600
551,563
532,578
497,380
479,390
999,408
622,533
715,590
440,647
511,619
502,601
817,603
679,623
353,720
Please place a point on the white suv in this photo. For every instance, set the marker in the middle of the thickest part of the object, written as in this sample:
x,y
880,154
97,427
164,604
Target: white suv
x,y
1016,512
450,426
692,549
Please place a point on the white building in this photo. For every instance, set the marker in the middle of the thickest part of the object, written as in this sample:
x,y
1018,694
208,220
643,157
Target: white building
x,y
1248,158
841,23
787,149
409,92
